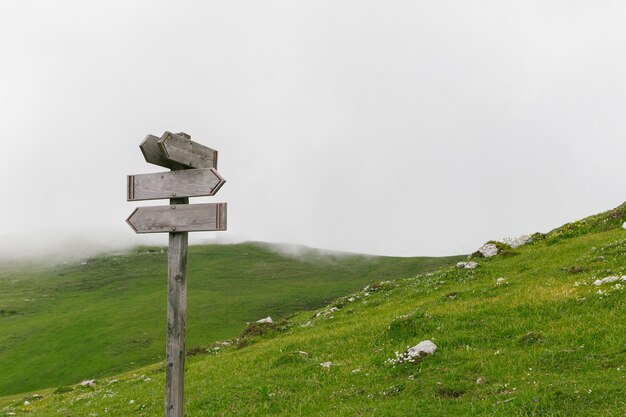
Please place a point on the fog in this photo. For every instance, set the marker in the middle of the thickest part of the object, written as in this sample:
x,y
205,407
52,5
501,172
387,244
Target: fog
x,y
396,128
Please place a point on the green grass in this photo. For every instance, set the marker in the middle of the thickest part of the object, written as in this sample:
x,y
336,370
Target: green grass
x,y
62,324
544,343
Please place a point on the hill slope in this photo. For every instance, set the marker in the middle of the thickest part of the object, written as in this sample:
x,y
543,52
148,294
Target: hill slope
x,y
542,341
59,325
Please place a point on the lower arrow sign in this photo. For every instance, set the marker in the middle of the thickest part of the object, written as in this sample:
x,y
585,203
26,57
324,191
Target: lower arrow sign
x,y
179,218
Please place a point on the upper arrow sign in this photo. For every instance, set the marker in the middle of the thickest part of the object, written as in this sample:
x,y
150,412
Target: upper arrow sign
x,y
174,184
153,154
182,150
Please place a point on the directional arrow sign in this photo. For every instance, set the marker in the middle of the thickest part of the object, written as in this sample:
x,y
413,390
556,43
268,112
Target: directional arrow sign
x,y
182,150
174,184
179,218
153,154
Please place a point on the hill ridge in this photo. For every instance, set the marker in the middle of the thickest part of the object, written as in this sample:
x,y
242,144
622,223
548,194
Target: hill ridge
x,y
527,332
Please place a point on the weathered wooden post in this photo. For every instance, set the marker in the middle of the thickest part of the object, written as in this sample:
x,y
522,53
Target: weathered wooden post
x,y
193,173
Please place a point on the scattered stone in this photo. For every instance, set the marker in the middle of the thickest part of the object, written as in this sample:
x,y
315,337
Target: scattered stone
x,y
307,324
356,371
326,364
609,279
467,265
423,348
131,402
84,263
268,319
88,383
501,281
488,250
624,225
226,343
333,309
26,402
480,380
351,299
302,352
516,242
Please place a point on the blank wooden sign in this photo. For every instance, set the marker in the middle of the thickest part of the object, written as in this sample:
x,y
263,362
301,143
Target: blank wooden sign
x,y
209,217
182,150
174,184
153,154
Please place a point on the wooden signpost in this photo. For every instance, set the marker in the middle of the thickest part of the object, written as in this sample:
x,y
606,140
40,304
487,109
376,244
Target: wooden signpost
x,y
193,174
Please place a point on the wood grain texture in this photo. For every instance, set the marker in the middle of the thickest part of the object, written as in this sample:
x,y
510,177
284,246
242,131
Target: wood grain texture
x,y
176,320
184,151
153,154
179,218
187,183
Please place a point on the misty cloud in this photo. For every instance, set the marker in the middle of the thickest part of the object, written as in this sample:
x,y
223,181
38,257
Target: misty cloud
x,y
404,128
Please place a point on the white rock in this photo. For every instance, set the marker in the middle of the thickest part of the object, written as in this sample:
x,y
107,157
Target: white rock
x,y
267,319
26,402
488,250
467,265
480,380
88,382
516,242
501,281
423,348
333,309
351,299
624,225
609,279
83,263
326,364
356,371
131,402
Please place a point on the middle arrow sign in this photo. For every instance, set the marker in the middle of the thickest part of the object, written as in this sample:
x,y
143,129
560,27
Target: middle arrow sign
x,y
174,184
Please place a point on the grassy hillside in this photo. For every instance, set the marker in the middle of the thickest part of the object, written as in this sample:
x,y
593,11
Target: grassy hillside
x,y
62,324
544,341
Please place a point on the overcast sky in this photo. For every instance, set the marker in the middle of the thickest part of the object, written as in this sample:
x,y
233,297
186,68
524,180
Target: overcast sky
x,y
385,127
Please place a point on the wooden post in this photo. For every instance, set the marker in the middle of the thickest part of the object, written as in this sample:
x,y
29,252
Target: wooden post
x,y
176,310
193,174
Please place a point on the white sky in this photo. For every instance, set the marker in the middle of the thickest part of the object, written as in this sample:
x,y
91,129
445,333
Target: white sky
x,y
395,127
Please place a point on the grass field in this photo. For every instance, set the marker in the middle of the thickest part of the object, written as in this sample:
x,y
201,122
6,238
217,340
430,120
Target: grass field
x,y
62,324
544,341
